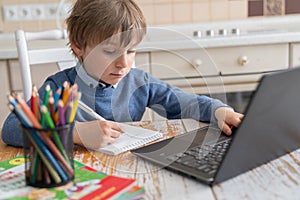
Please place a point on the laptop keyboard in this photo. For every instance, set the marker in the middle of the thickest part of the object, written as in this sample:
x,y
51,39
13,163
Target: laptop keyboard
x,y
205,158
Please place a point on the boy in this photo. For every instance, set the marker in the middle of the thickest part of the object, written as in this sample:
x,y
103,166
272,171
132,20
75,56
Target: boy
x,y
103,35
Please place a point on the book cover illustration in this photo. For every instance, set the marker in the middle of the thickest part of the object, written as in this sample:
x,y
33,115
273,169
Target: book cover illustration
x,y
88,184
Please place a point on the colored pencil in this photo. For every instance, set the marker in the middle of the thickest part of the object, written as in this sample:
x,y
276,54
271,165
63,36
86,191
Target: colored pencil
x,y
20,114
68,112
33,105
75,106
72,93
61,113
28,112
46,95
34,166
51,107
57,96
66,93
38,103
12,100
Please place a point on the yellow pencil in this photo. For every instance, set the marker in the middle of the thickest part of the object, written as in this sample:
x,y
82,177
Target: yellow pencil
x,y
75,106
66,92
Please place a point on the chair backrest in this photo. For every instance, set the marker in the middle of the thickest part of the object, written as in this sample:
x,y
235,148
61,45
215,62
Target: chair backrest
x,y
62,56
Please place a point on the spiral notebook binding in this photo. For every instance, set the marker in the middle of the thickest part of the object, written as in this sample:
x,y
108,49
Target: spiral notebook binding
x,y
140,143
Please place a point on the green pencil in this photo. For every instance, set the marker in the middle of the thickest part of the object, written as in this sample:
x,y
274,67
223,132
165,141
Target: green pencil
x,y
45,102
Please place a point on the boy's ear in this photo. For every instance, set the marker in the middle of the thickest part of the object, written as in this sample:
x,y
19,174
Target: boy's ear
x,y
76,49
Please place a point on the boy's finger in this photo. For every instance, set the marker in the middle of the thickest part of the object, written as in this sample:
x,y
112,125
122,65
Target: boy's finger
x,y
115,134
235,121
117,127
240,116
226,129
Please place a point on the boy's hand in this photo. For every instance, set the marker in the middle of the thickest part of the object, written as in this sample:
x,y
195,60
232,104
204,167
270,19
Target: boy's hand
x,y
111,130
227,118
96,134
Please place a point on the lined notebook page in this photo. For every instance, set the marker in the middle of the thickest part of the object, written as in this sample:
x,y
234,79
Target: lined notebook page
x,y
132,138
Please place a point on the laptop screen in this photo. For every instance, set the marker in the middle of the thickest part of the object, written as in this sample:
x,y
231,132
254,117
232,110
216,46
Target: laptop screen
x,y
270,128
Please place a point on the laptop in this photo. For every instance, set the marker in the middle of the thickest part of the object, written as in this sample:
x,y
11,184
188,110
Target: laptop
x,y
269,129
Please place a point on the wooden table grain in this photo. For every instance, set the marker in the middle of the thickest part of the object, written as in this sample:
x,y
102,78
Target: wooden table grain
x,y
278,179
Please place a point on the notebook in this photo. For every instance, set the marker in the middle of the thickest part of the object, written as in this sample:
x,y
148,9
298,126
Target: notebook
x,y
133,137
269,129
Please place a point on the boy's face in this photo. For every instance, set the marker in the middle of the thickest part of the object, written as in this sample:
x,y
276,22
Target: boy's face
x,y
107,62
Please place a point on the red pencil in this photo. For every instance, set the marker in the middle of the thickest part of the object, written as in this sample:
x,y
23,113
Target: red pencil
x,y
34,103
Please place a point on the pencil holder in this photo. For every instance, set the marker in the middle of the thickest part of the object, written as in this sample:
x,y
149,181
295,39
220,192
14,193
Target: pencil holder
x,y
50,156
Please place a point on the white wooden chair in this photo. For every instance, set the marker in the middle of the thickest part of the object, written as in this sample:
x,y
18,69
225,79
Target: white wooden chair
x,y
62,56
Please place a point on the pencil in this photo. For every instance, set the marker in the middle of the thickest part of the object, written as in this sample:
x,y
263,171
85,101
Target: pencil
x,y
66,93
39,169
75,105
73,91
46,95
63,157
45,101
74,88
51,107
90,111
33,104
68,112
34,166
28,112
61,113
26,122
46,176
12,100
57,96
20,114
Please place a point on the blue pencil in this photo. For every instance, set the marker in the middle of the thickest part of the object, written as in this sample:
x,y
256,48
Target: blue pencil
x,y
12,100
57,96
20,114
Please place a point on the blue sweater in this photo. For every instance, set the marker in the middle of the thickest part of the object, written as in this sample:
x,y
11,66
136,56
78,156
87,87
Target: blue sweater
x,y
125,101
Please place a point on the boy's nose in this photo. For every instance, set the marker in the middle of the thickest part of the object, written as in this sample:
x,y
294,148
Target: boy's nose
x,y
122,61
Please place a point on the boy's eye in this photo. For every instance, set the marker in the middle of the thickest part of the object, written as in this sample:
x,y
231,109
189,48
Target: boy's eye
x,y
131,51
109,51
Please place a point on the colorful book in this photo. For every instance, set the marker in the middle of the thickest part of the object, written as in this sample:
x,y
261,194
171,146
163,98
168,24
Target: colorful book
x,y
88,184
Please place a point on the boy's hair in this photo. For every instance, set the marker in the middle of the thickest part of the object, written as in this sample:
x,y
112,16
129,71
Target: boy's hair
x,y
93,21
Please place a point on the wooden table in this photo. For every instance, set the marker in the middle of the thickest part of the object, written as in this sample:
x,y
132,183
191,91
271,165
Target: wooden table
x,y
278,179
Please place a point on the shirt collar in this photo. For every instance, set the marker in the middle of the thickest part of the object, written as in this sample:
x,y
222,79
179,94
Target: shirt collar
x,y
87,79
